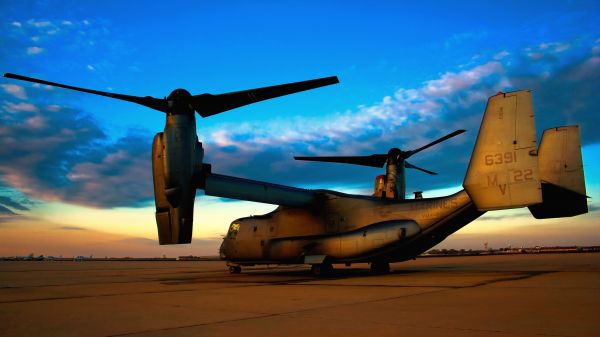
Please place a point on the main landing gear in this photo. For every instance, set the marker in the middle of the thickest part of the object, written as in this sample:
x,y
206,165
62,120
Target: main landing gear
x,y
380,267
322,269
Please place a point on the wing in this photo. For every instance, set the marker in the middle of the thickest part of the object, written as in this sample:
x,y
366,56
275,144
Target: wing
x,y
219,185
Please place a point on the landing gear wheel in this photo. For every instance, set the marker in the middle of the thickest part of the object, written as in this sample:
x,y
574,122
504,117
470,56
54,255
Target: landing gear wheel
x,y
380,267
235,269
323,269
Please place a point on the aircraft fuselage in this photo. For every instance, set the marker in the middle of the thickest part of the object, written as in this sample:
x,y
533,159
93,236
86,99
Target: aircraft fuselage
x,y
347,228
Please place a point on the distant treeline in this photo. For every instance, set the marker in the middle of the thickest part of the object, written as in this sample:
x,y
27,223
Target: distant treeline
x,y
509,250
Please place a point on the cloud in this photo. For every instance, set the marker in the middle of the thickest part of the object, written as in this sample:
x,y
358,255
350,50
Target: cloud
x,y
8,201
55,153
139,241
59,153
500,55
555,47
57,37
120,176
48,27
6,211
20,107
409,118
15,90
564,93
39,23
72,228
564,80
34,50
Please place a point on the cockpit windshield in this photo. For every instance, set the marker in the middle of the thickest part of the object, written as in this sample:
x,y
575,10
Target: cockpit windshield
x,y
233,230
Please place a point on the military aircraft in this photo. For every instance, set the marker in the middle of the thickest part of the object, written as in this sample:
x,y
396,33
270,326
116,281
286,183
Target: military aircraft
x,y
323,227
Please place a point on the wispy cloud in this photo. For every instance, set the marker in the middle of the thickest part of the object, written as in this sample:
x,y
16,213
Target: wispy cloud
x,y
8,201
6,211
34,50
39,37
500,55
20,107
15,90
40,23
71,228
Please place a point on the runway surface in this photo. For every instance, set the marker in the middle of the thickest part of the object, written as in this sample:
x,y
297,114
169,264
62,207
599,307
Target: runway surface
x,y
519,295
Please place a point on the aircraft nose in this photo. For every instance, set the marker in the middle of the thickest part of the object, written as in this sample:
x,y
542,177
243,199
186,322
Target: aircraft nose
x,y
223,249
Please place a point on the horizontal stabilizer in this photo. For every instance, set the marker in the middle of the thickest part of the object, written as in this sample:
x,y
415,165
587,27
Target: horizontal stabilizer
x,y
561,172
559,202
503,171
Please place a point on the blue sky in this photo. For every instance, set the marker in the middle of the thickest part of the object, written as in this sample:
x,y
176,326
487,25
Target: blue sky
x,y
409,72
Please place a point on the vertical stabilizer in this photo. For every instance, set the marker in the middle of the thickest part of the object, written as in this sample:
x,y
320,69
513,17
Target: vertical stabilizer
x,y
560,158
503,171
561,172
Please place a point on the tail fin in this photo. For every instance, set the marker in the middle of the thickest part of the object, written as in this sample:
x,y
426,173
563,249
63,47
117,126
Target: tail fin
x,y
503,172
561,172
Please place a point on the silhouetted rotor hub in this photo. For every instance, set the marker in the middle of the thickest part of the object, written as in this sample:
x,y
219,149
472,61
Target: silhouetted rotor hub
x,y
180,102
395,154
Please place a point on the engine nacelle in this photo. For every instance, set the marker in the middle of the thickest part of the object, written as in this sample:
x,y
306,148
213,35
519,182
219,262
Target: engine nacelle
x,y
379,186
176,165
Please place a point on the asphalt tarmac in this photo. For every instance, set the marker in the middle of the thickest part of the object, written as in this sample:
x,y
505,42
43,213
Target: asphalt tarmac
x,y
517,295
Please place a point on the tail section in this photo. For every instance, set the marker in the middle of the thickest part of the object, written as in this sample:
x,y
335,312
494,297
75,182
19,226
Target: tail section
x,y
561,172
503,172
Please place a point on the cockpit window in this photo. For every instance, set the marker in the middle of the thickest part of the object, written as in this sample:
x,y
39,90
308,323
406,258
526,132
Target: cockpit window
x,y
233,230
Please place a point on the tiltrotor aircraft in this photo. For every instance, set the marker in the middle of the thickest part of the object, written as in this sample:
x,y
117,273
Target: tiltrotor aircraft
x,y
322,227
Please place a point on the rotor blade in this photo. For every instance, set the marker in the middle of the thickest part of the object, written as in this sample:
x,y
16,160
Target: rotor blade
x,y
150,102
374,160
208,105
409,165
455,133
